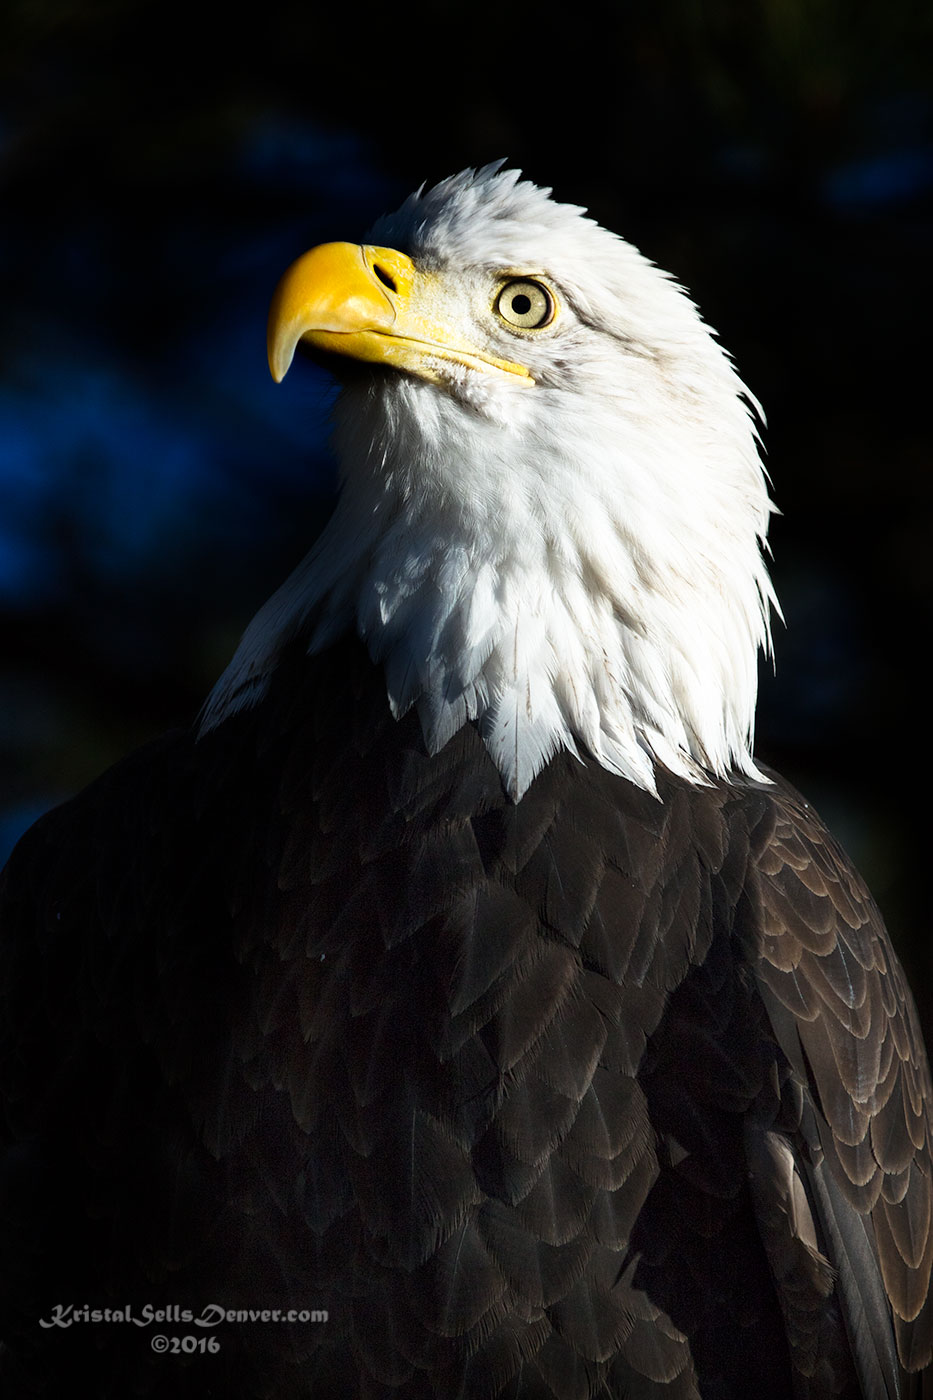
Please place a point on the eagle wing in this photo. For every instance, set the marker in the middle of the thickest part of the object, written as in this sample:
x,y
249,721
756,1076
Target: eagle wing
x,y
843,1171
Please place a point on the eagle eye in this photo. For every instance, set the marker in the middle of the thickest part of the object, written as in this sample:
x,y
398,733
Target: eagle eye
x,y
525,304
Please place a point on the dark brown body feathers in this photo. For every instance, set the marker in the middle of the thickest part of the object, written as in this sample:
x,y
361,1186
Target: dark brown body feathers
x,y
591,1094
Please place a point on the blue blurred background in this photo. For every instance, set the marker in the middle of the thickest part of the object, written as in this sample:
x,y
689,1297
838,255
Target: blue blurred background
x,y
160,167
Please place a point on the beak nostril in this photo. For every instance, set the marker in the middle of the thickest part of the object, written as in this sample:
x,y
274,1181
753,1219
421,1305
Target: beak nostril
x,y
385,278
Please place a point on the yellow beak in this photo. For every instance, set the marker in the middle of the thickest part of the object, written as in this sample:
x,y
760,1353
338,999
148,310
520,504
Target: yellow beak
x,y
371,304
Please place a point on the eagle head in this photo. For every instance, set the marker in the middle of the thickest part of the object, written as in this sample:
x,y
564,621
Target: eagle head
x,y
553,510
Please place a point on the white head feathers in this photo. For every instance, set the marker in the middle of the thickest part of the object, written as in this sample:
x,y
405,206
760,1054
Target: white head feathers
x,y
577,565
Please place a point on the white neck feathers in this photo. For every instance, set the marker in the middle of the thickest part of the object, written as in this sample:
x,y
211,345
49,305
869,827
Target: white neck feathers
x,y
514,581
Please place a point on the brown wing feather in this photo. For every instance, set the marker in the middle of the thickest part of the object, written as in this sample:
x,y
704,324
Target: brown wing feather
x,y
846,1022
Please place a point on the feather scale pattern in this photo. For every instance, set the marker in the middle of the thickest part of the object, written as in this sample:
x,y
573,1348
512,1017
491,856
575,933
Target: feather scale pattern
x,y
598,1115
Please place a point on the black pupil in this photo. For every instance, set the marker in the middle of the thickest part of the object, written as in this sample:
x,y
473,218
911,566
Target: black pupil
x,y
521,304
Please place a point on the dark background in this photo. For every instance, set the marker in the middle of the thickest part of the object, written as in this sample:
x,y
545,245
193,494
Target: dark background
x,y
162,163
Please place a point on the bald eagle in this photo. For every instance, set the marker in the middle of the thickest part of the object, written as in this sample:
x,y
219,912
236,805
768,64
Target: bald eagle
x,y
457,1009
